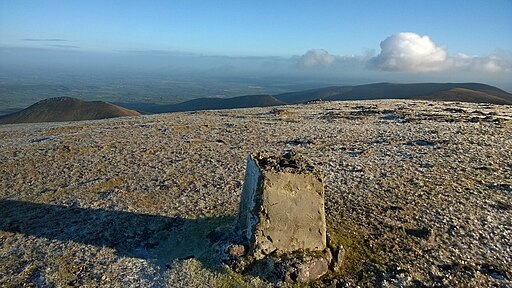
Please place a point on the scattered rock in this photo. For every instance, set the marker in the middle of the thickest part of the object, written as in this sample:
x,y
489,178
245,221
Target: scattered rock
x,y
355,153
365,112
305,270
236,250
501,206
391,117
337,261
394,208
455,110
330,116
494,272
296,142
423,233
314,101
39,140
355,169
500,186
426,165
457,268
421,143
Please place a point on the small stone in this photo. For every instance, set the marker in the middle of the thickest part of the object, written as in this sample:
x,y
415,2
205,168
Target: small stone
x,y
312,269
265,268
303,266
236,250
423,232
338,259
328,255
237,265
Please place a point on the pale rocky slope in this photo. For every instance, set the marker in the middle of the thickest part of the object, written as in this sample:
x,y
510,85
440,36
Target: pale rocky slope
x,y
420,193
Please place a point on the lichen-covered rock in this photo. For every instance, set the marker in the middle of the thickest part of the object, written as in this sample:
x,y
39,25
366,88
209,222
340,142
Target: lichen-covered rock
x,y
304,266
337,260
312,269
236,250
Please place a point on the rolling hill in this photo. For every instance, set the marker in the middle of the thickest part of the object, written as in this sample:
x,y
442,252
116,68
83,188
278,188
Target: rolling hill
x,y
463,92
221,103
467,95
71,109
66,109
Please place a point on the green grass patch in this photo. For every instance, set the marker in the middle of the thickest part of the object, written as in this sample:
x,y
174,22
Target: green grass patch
x,y
357,253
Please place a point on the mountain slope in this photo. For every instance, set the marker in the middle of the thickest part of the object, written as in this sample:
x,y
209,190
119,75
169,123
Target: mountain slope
x,y
398,91
422,198
466,95
71,109
313,94
465,92
221,103
66,109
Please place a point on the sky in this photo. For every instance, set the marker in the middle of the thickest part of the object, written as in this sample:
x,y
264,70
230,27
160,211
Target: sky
x,y
462,40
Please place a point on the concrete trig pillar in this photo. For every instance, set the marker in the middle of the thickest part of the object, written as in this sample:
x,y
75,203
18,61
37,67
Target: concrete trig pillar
x,y
282,206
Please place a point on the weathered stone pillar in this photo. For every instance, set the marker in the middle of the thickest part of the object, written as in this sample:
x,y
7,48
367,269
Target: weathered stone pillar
x,y
282,206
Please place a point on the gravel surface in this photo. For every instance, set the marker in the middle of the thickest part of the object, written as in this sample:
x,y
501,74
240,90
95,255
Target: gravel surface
x,y
420,192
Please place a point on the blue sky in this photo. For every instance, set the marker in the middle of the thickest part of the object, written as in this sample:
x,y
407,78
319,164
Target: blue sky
x,y
390,40
257,28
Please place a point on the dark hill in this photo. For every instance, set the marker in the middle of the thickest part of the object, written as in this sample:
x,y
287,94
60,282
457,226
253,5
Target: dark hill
x,y
66,109
314,94
220,103
71,109
465,92
430,91
466,95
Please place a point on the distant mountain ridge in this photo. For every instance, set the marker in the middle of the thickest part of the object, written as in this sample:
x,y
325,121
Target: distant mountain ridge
x,y
71,109
66,109
464,92
395,91
221,103
467,95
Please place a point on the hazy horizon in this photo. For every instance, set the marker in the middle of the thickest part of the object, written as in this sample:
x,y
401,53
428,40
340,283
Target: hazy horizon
x,y
168,52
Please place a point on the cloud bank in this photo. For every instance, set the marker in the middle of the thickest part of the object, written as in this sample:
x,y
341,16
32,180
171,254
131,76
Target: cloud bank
x,y
63,46
44,40
410,52
407,52
489,64
316,58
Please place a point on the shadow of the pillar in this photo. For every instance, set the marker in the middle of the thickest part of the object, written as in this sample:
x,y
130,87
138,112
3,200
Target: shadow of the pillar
x,y
152,237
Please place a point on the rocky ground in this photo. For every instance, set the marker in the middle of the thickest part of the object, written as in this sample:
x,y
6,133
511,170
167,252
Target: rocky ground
x,y
419,194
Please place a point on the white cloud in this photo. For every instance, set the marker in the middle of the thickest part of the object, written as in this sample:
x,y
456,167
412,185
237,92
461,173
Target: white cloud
x,y
410,52
490,64
316,58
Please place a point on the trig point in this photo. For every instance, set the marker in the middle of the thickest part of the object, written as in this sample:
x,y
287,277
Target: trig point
x,y
282,206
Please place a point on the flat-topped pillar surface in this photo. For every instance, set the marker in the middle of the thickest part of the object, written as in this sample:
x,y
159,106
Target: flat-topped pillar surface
x,y
282,205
